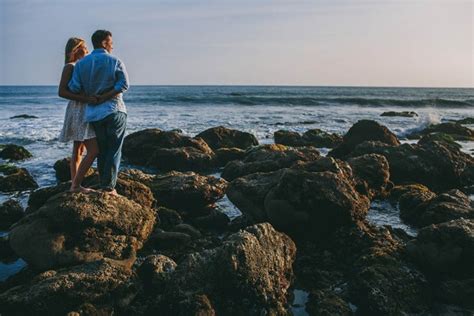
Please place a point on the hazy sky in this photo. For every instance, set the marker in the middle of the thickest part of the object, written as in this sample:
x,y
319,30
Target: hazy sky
x,y
296,42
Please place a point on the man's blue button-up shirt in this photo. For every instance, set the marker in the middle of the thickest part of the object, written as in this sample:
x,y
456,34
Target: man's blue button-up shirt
x,y
96,74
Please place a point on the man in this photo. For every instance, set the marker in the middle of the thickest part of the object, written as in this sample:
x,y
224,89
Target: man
x,y
101,74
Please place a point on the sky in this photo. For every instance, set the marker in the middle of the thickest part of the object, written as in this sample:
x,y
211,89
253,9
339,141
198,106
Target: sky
x,y
421,43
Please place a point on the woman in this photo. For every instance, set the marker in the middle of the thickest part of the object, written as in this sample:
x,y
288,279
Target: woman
x,y
75,128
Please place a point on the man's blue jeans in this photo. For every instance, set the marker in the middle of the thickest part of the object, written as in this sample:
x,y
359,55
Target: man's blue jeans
x,y
110,132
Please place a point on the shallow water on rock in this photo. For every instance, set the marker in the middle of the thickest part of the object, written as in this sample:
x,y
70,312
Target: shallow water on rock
x,y
228,208
300,298
385,213
11,268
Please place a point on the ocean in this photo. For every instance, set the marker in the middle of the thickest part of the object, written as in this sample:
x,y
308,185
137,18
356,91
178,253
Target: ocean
x,y
260,110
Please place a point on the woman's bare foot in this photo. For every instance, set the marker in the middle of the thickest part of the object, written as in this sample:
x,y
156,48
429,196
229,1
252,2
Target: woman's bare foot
x,y
81,189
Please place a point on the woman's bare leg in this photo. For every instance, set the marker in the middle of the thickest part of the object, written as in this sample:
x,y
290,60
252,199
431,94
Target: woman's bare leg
x,y
77,151
92,151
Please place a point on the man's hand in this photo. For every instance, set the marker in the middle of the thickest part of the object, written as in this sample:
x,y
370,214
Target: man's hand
x,y
94,100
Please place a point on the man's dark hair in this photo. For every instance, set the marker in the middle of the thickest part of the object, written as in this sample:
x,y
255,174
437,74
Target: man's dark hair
x,y
99,36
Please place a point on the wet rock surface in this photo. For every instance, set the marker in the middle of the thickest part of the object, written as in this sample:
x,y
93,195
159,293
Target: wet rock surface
x,y
23,116
445,252
248,193
434,164
187,191
455,130
313,202
372,174
10,212
168,150
14,152
57,292
75,228
222,137
266,158
225,155
254,264
13,178
446,248
312,137
127,186
311,198
363,268
364,130
400,114
467,120
6,252
423,208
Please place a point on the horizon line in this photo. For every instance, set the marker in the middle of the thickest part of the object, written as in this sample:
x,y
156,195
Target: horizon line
x,y
259,85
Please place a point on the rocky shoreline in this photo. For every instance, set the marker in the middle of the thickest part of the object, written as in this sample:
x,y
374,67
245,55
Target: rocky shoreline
x,y
163,247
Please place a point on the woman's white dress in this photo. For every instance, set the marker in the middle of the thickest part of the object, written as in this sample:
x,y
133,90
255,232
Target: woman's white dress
x,y
75,127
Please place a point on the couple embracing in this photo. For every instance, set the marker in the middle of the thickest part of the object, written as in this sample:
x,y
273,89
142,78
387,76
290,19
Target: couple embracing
x,y
96,116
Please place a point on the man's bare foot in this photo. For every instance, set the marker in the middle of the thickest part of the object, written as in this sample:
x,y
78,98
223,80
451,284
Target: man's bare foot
x,y
81,189
112,192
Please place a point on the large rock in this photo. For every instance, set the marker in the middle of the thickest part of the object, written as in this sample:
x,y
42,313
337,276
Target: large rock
x,y
266,158
421,210
440,137
258,262
435,164
457,292
364,130
62,168
318,138
372,174
288,138
23,116
15,179
401,114
457,131
445,252
360,266
445,249
14,152
254,265
73,228
386,286
222,137
248,193
381,281
225,155
155,271
314,203
106,282
313,137
466,120
10,212
409,198
6,252
187,191
135,191
167,150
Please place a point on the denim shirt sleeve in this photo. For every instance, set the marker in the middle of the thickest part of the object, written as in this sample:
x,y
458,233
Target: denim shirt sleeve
x,y
75,84
121,75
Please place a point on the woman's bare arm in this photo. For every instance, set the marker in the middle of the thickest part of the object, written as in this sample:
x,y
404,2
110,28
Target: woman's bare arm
x,y
64,92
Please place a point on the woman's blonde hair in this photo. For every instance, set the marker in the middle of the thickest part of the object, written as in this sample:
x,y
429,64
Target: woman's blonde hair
x,y
72,44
